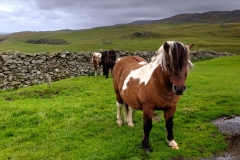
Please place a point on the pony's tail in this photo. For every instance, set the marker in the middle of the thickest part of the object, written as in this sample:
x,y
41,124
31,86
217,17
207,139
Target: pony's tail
x,y
126,110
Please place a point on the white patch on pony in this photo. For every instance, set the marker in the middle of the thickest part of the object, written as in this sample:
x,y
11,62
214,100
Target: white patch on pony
x,y
142,63
144,73
118,59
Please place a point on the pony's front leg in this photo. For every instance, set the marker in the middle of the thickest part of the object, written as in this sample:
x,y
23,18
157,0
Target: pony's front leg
x,y
147,126
128,112
168,115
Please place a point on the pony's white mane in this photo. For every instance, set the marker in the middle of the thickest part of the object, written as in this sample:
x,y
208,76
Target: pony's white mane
x,y
144,73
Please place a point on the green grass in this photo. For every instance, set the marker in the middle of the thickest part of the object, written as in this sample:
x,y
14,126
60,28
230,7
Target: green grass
x,y
204,36
76,118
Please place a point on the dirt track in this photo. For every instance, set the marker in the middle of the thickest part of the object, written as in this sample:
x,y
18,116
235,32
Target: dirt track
x,y
231,127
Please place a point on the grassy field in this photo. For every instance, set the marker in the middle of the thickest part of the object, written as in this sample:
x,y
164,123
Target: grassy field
x,y
76,118
218,37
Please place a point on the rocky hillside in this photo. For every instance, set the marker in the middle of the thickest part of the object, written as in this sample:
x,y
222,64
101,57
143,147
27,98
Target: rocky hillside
x,y
206,17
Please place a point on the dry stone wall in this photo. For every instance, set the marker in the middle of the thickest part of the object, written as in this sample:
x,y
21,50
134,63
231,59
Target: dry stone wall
x,y
203,54
20,70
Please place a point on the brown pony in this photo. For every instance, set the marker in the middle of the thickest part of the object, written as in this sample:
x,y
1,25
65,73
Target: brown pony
x,y
108,60
152,86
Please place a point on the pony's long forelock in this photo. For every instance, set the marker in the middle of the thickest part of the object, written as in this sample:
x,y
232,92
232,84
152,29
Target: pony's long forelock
x,y
179,56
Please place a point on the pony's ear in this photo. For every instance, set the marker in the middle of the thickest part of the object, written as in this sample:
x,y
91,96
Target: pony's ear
x,y
190,46
166,47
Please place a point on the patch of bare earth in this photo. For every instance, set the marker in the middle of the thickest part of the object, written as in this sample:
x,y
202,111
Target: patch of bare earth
x,y
230,126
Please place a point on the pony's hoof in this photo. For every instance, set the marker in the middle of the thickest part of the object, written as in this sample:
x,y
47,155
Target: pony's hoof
x,y
119,122
147,150
174,147
173,144
130,125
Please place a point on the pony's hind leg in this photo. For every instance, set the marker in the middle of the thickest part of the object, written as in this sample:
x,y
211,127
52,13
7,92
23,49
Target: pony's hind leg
x,y
119,118
128,112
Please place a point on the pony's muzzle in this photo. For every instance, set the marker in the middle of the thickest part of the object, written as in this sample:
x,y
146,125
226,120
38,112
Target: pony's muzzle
x,y
179,90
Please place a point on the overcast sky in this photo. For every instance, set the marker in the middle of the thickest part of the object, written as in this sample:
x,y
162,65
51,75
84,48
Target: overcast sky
x,y
48,15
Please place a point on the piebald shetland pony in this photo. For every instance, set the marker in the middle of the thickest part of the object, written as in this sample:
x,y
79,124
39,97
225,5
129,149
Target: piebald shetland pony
x,y
157,85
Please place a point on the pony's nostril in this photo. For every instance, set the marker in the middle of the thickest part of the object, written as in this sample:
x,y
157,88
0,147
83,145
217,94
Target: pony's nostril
x,y
175,88
184,88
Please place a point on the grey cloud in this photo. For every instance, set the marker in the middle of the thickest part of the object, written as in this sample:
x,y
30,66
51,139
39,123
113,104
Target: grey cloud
x,y
80,14
102,4
54,4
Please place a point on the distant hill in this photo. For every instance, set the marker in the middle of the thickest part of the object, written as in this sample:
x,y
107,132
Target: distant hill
x,y
4,33
207,17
